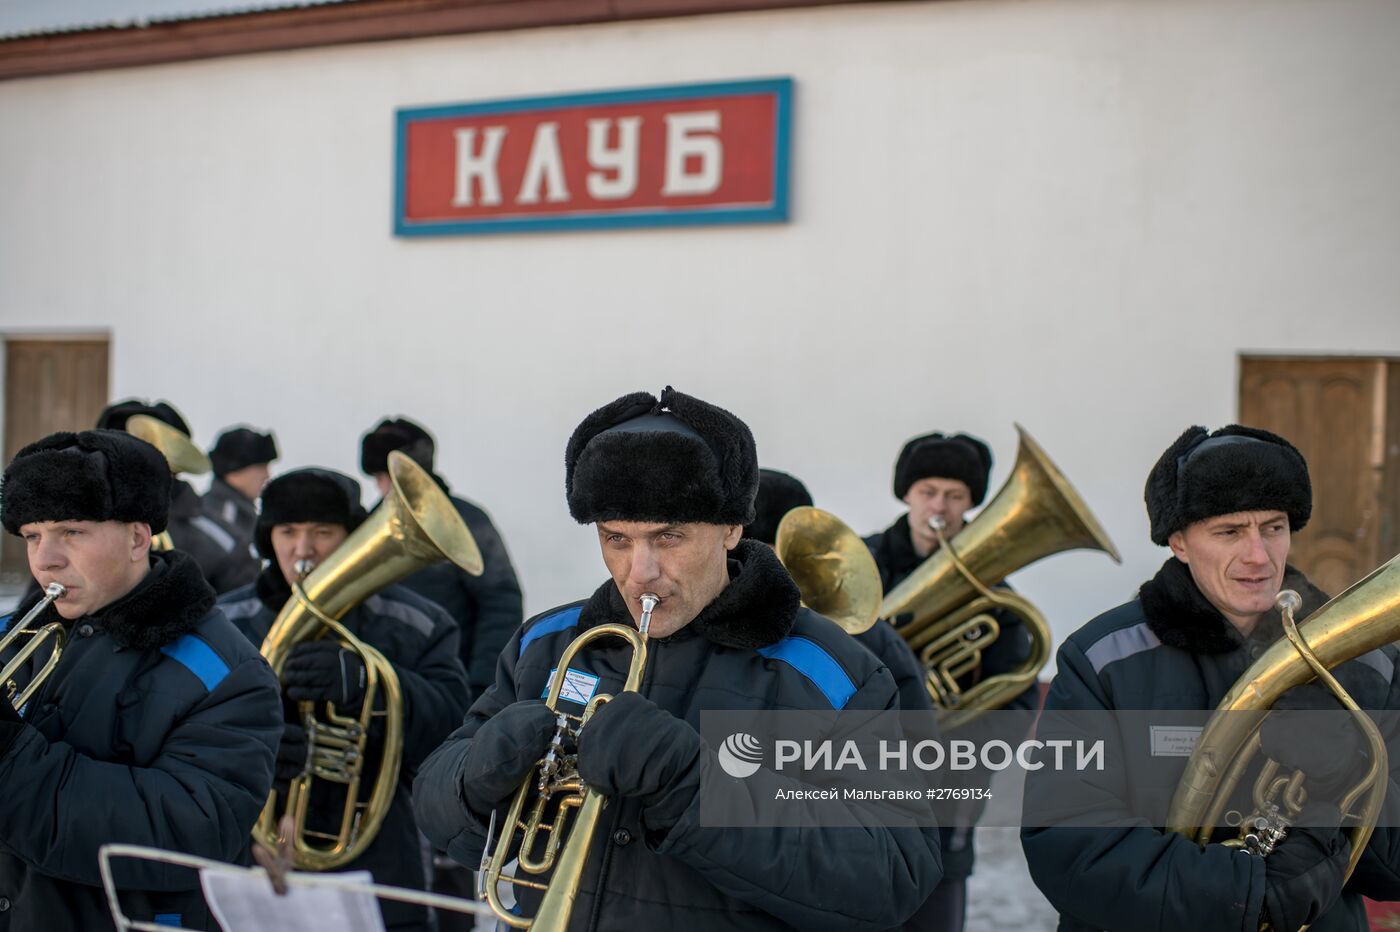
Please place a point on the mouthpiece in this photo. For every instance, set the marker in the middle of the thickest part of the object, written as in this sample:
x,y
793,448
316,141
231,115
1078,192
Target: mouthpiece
x,y
937,523
303,568
649,603
1288,601
54,591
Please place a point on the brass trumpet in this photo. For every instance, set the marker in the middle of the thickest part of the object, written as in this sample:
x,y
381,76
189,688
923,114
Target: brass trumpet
x,y
832,567
53,630
415,526
1035,514
179,451
1361,619
555,780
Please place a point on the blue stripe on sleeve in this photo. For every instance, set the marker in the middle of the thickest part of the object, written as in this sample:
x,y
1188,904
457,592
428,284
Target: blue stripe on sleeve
x,y
812,660
199,658
550,624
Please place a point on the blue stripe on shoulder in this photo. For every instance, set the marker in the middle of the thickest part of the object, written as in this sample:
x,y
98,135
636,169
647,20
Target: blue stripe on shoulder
x,y
5,622
812,660
199,658
550,624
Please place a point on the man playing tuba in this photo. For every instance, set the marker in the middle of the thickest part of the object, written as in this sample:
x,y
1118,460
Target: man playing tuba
x,y
1226,503
668,484
306,514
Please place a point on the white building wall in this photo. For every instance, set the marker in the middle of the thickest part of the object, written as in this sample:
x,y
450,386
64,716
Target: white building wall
x,y
1074,215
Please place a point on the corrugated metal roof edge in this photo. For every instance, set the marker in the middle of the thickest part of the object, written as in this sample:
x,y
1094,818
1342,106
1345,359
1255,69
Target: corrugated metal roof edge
x,y
142,22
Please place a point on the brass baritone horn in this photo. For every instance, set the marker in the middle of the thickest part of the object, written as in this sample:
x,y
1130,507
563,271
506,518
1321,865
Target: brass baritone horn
x,y
53,630
179,451
413,527
832,567
1035,514
1361,619
557,791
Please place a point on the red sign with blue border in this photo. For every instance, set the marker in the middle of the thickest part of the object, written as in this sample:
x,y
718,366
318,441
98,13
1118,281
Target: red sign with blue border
x,y
659,156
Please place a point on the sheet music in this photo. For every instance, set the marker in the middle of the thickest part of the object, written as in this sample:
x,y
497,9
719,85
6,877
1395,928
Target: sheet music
x,y
246,902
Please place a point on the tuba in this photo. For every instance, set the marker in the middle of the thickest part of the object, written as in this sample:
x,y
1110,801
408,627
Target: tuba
x,y
53,630
832,567
1361,619
415,526
1035,514
553,790
179,451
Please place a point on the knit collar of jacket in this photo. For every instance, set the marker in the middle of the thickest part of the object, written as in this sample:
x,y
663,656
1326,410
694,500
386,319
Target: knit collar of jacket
x,y
897,552
271,587
1181,616
165,605
758,607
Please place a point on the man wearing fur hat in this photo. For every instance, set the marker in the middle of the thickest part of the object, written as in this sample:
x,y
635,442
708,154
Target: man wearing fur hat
x,y
943,477
668,484
240,457
158,725
213,546
306,515
1226,503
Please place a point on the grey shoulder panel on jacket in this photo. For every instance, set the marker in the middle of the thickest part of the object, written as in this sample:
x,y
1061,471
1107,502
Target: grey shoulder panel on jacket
x,y
410,608
1117,634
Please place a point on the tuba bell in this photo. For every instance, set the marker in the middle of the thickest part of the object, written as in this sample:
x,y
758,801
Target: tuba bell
x,y
832,567
1361,619
553,790
179,451
1035,514
413,527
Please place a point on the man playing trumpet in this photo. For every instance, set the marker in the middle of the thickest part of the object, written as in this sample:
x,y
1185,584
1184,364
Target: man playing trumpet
x,y
1226,503
306,515
668,484
158,723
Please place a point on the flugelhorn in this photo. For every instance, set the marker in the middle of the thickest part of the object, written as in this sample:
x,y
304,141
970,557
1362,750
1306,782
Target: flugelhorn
x,y
414,526
179,451
53,631
950,597
832,567
1361,619
552,791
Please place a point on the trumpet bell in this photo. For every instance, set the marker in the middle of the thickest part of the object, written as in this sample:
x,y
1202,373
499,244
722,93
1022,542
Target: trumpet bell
x,y
832,567
179,451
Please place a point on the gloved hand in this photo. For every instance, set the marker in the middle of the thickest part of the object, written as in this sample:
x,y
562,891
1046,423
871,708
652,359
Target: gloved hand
x,y
632,747
324,670
502,752
291,758
1303,875
1329,748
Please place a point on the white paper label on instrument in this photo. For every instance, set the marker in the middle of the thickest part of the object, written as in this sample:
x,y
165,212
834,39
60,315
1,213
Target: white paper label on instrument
x,y
245,902
1174,740
578,686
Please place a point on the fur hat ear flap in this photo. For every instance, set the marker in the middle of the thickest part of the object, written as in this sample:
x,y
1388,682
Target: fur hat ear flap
x,y
778,493
95,475
1234,469
306,495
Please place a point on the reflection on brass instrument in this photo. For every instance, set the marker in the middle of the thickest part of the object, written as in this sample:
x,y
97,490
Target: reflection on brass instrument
x,y
557,792
832,567
179,451
51,631
1035,514
415,526
1363,618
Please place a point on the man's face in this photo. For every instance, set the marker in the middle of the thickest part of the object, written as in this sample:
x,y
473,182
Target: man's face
x,y
98,562
931,497
686,565
1237,561
249,480
305,540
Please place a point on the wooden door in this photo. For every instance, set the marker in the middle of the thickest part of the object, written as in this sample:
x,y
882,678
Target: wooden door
x,y
1338,412
51,384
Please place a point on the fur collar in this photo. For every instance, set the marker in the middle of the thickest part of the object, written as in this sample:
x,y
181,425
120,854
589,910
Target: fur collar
x,y
163,607
271,587
1181,616
895,552
756,609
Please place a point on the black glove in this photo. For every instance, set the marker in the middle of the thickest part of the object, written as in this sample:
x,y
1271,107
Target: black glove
x,y
1330,749
631,747
291,758
1303,875
325,670
502,752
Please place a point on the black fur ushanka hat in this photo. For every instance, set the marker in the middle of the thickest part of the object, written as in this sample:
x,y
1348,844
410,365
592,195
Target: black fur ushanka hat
x,y
95,475
1235,468
116,414
778,493
395,434
960,456
673,459
240,447
321,495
